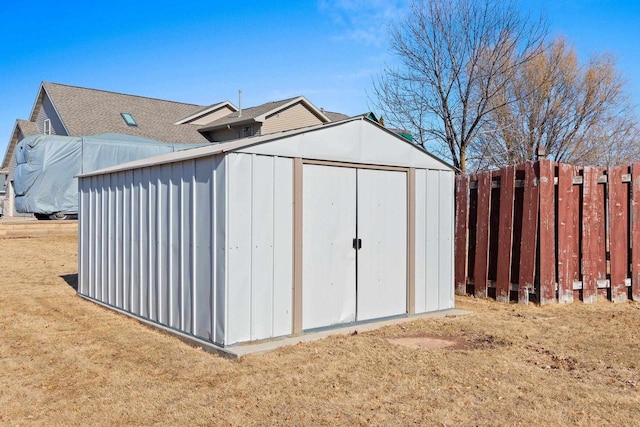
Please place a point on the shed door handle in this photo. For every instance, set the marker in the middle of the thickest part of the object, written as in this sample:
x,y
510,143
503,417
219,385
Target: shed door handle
x,y
357,243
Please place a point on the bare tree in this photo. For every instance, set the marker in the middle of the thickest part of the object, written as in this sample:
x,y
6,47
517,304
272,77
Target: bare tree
x,y
454,56
577,113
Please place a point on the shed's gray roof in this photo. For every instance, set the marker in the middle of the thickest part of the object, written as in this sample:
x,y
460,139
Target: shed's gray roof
x,y
91,111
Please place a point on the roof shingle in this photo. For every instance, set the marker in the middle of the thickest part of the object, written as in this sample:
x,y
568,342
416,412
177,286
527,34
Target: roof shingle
x,y
90,111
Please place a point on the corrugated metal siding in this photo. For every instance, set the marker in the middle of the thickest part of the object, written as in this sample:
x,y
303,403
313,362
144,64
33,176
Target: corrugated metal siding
x,y
155,242
260,246
148,244
294,117
420,241
434,244
446,232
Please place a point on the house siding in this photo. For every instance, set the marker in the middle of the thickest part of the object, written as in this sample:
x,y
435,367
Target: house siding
x,y
296,116
214,115
221,135
48,111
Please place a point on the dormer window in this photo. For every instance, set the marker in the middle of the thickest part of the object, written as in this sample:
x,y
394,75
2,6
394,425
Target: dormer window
x,y
128,119
46,127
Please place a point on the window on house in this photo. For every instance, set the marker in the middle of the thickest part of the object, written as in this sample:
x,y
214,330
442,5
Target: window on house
x,y
128,119
247,131
47,127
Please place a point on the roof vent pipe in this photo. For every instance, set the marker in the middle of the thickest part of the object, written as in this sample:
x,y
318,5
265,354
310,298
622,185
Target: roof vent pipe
x,y
240,103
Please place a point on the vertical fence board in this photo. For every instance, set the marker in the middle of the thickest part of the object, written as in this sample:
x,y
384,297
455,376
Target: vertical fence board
x,y
594,266
618,236
516,239
482,235
547,293
462,221
472,234
566,233
505,233
635,232
528,243
549,238
576,233
494,223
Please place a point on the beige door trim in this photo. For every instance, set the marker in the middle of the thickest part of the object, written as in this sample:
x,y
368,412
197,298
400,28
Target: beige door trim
x,y
353,165
298,163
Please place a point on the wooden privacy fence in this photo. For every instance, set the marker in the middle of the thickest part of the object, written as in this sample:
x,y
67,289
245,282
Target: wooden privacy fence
x,y
549,232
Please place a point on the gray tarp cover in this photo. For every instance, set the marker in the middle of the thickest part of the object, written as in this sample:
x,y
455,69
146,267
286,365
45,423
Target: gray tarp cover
x,y
47,165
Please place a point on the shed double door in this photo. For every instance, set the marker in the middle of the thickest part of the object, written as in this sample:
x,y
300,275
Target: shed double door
x,y
354,244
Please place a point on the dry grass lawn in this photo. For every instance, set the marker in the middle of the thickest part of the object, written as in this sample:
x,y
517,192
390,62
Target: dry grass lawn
x,y
67,361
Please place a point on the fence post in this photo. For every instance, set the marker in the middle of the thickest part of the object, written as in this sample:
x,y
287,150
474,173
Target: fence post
x,y
635,232
462,233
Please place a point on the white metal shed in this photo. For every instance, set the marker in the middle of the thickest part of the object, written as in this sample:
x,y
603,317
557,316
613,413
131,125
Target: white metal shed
x,y
273,235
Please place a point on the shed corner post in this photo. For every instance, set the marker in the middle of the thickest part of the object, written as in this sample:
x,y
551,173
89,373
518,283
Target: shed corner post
x,y
297,247
81,237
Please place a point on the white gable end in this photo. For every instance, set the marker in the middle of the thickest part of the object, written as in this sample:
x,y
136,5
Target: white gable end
x,y
358,141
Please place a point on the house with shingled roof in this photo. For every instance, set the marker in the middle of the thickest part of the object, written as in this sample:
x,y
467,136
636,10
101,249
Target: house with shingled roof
x,y
272,117
77,111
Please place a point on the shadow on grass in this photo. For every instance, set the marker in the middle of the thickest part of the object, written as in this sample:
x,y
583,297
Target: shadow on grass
x,y
71,279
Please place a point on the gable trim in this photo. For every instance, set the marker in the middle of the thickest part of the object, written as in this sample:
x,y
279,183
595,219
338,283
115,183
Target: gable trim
x,y
39,102
206,111
10,147
301,99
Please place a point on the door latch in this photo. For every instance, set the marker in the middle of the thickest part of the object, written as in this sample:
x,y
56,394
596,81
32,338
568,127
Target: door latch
x,y
357,243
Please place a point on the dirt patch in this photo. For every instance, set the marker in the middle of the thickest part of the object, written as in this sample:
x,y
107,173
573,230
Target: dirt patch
x,y
428,342
436,342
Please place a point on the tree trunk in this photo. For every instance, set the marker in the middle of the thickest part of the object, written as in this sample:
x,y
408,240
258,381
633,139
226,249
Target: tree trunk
x,y
463,159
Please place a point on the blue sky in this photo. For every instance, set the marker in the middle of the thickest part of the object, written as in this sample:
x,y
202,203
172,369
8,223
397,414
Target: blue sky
x,y
202,52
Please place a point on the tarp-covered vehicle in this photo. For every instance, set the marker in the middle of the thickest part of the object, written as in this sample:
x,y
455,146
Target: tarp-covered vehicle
x,y
45,180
